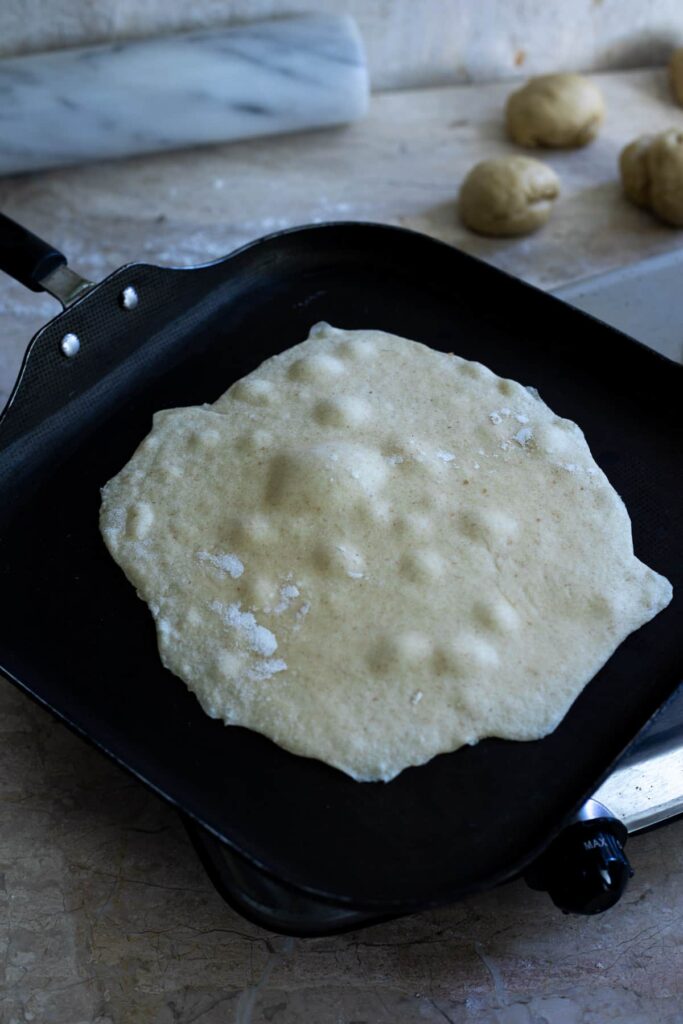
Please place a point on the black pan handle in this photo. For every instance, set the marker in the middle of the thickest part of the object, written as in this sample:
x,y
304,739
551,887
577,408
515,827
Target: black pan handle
x,y
25,257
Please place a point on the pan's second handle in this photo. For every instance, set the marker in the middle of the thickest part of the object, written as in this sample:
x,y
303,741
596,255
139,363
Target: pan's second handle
x,y
27,258
37,265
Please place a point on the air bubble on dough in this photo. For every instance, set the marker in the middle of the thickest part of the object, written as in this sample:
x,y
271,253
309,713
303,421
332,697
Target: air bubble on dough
x,y
250,530
255,392
210,438
556,441
422,565
256,441
304,479
339,558
193,618
369,510
396,448
194,439
203,437
322,330
476,370
414,524
318,369
601,606
346,411
498,616
165,474
420,467
466,654
356,349
488,525
139,520
408,649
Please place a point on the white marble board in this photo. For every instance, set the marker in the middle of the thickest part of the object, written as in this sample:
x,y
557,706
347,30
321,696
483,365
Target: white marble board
x,y
115,100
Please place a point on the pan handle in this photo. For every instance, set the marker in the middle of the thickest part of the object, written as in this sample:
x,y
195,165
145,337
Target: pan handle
x,y
37,265
27,258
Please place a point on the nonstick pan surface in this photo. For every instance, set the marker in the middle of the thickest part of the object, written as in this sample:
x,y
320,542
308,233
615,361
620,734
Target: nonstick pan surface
x,y
74,635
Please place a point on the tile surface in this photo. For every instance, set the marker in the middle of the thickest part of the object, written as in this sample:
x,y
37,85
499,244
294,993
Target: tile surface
x,y
107,916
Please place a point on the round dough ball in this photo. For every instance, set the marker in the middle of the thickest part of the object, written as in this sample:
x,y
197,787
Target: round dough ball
x,y
635,177
652,174
558,111
676,74
511,195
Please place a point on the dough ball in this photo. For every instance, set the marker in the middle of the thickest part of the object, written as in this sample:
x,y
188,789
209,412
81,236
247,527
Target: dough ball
x,y
635,177
676,75
652,174
558,111
511,195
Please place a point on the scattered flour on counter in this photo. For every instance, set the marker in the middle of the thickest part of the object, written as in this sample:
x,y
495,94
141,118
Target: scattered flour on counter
x,y
117,519
495,418
227,563
445,456
166,629
258,638
523,436
141,550
287,594
521,418
266,668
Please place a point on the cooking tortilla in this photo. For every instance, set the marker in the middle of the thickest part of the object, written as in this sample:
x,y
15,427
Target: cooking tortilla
x,y
373,552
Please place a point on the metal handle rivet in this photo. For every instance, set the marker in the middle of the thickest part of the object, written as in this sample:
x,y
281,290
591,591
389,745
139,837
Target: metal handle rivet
x,y
70,345
129,297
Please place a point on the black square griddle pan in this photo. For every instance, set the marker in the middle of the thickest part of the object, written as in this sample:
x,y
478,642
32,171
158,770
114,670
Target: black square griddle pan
x,y
74,635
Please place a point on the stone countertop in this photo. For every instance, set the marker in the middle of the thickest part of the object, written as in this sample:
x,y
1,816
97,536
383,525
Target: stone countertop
x,y
107,915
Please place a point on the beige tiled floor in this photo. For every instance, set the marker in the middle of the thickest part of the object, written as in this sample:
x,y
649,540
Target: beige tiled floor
x,y
107,916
